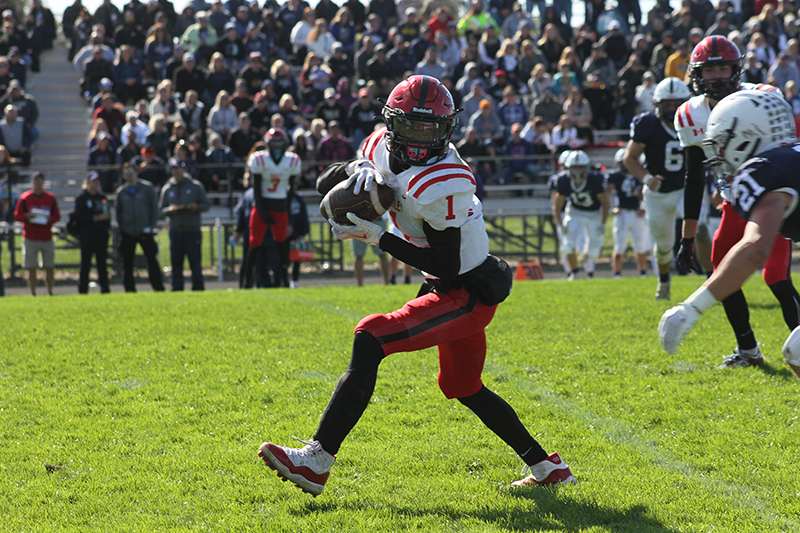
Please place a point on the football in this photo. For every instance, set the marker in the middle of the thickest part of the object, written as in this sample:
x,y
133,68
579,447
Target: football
x,y
369,205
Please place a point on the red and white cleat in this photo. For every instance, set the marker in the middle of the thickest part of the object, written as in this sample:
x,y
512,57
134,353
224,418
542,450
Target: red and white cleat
x,y
551,471
307,467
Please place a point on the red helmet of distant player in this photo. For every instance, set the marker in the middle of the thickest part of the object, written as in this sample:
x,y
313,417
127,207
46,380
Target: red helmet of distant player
x,y
277,142
710,52
420,118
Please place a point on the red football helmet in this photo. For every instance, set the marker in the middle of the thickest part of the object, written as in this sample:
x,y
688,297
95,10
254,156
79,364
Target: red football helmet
x,y
420,117
277,142
709,52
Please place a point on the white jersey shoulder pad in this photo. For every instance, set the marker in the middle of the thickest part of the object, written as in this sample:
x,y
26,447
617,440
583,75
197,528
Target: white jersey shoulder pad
x,y
447,177
691,120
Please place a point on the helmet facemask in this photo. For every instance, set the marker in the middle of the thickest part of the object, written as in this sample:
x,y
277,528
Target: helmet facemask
x,y
666,109
730,153
415,139
277,149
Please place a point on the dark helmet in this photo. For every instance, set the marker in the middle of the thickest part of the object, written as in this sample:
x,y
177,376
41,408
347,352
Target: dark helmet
x,y
420,117
709,52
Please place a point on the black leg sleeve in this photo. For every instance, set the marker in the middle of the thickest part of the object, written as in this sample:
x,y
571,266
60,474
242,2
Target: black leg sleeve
x,y
352,394
501,418
739,317
787,295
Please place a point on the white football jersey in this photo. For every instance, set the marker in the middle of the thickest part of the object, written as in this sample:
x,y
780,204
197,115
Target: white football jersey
x,y
691,119
275,178
441,194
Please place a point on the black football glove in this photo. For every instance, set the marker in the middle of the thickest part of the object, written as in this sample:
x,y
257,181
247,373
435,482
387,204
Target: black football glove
x,y
686,256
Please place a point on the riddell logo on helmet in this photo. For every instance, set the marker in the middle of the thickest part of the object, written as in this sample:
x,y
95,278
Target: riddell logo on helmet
x,y
422,110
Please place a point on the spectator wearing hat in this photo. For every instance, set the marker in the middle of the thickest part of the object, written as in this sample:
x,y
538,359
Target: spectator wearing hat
x,y
241,99
254,73
218,16
95,69
231,46
106,86
259,115
92,211
17,66
242,139
150,167
334,147
16,135
547,107
784,71
88,52
363,116
38,211
183,199
401,58
26,105
615,44
241,19
137,217
487,124
188,77
375,28
498,85
200,38
472,74
112,115
340,63
134,124
658,60
410,27
102,158
343,29
330,108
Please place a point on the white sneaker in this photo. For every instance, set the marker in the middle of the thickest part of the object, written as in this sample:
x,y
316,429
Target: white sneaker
x,y
307,467
662,291
551,471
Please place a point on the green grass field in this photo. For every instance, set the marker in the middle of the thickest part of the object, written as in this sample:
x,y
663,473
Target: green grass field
x,y
144,412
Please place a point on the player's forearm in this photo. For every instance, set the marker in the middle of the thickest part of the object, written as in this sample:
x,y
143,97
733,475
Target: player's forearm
x,y
441,259
689,228
695,184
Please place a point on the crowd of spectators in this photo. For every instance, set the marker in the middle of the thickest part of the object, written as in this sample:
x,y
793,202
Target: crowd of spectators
x,y
204,84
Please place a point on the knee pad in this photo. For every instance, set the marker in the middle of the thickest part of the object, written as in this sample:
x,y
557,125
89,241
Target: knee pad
x,y
663,253
791,348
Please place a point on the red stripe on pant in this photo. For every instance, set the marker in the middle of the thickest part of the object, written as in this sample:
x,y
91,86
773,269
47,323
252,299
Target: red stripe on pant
x,y
258,228
731,231
454,322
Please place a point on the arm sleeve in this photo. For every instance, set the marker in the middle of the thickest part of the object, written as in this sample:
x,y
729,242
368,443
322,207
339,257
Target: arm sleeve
x,y
441,259
202,202
695,181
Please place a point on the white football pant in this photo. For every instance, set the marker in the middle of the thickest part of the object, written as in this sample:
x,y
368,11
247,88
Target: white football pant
x,y
628,225
583,232
661,211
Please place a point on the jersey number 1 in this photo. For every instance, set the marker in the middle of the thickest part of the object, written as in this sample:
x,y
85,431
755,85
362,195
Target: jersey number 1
x,y
450,214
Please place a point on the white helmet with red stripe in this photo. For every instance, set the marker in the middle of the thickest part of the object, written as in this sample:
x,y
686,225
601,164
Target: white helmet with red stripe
x,y
277,142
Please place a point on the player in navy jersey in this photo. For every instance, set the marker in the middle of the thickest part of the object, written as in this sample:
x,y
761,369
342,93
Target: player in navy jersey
x,y
715,71
753,134
587,207
653,135
629,222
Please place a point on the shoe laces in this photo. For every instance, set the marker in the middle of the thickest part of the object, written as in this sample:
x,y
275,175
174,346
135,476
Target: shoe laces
x,y
312,447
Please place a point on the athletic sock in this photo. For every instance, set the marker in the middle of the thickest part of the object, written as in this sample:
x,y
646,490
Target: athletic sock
x,y
663,278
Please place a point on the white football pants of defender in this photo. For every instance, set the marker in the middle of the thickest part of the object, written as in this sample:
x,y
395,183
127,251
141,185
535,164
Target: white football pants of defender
x,y
583,232
588,264
628,225
661,211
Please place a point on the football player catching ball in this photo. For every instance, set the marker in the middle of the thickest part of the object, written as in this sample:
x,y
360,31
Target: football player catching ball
x,y
443,234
